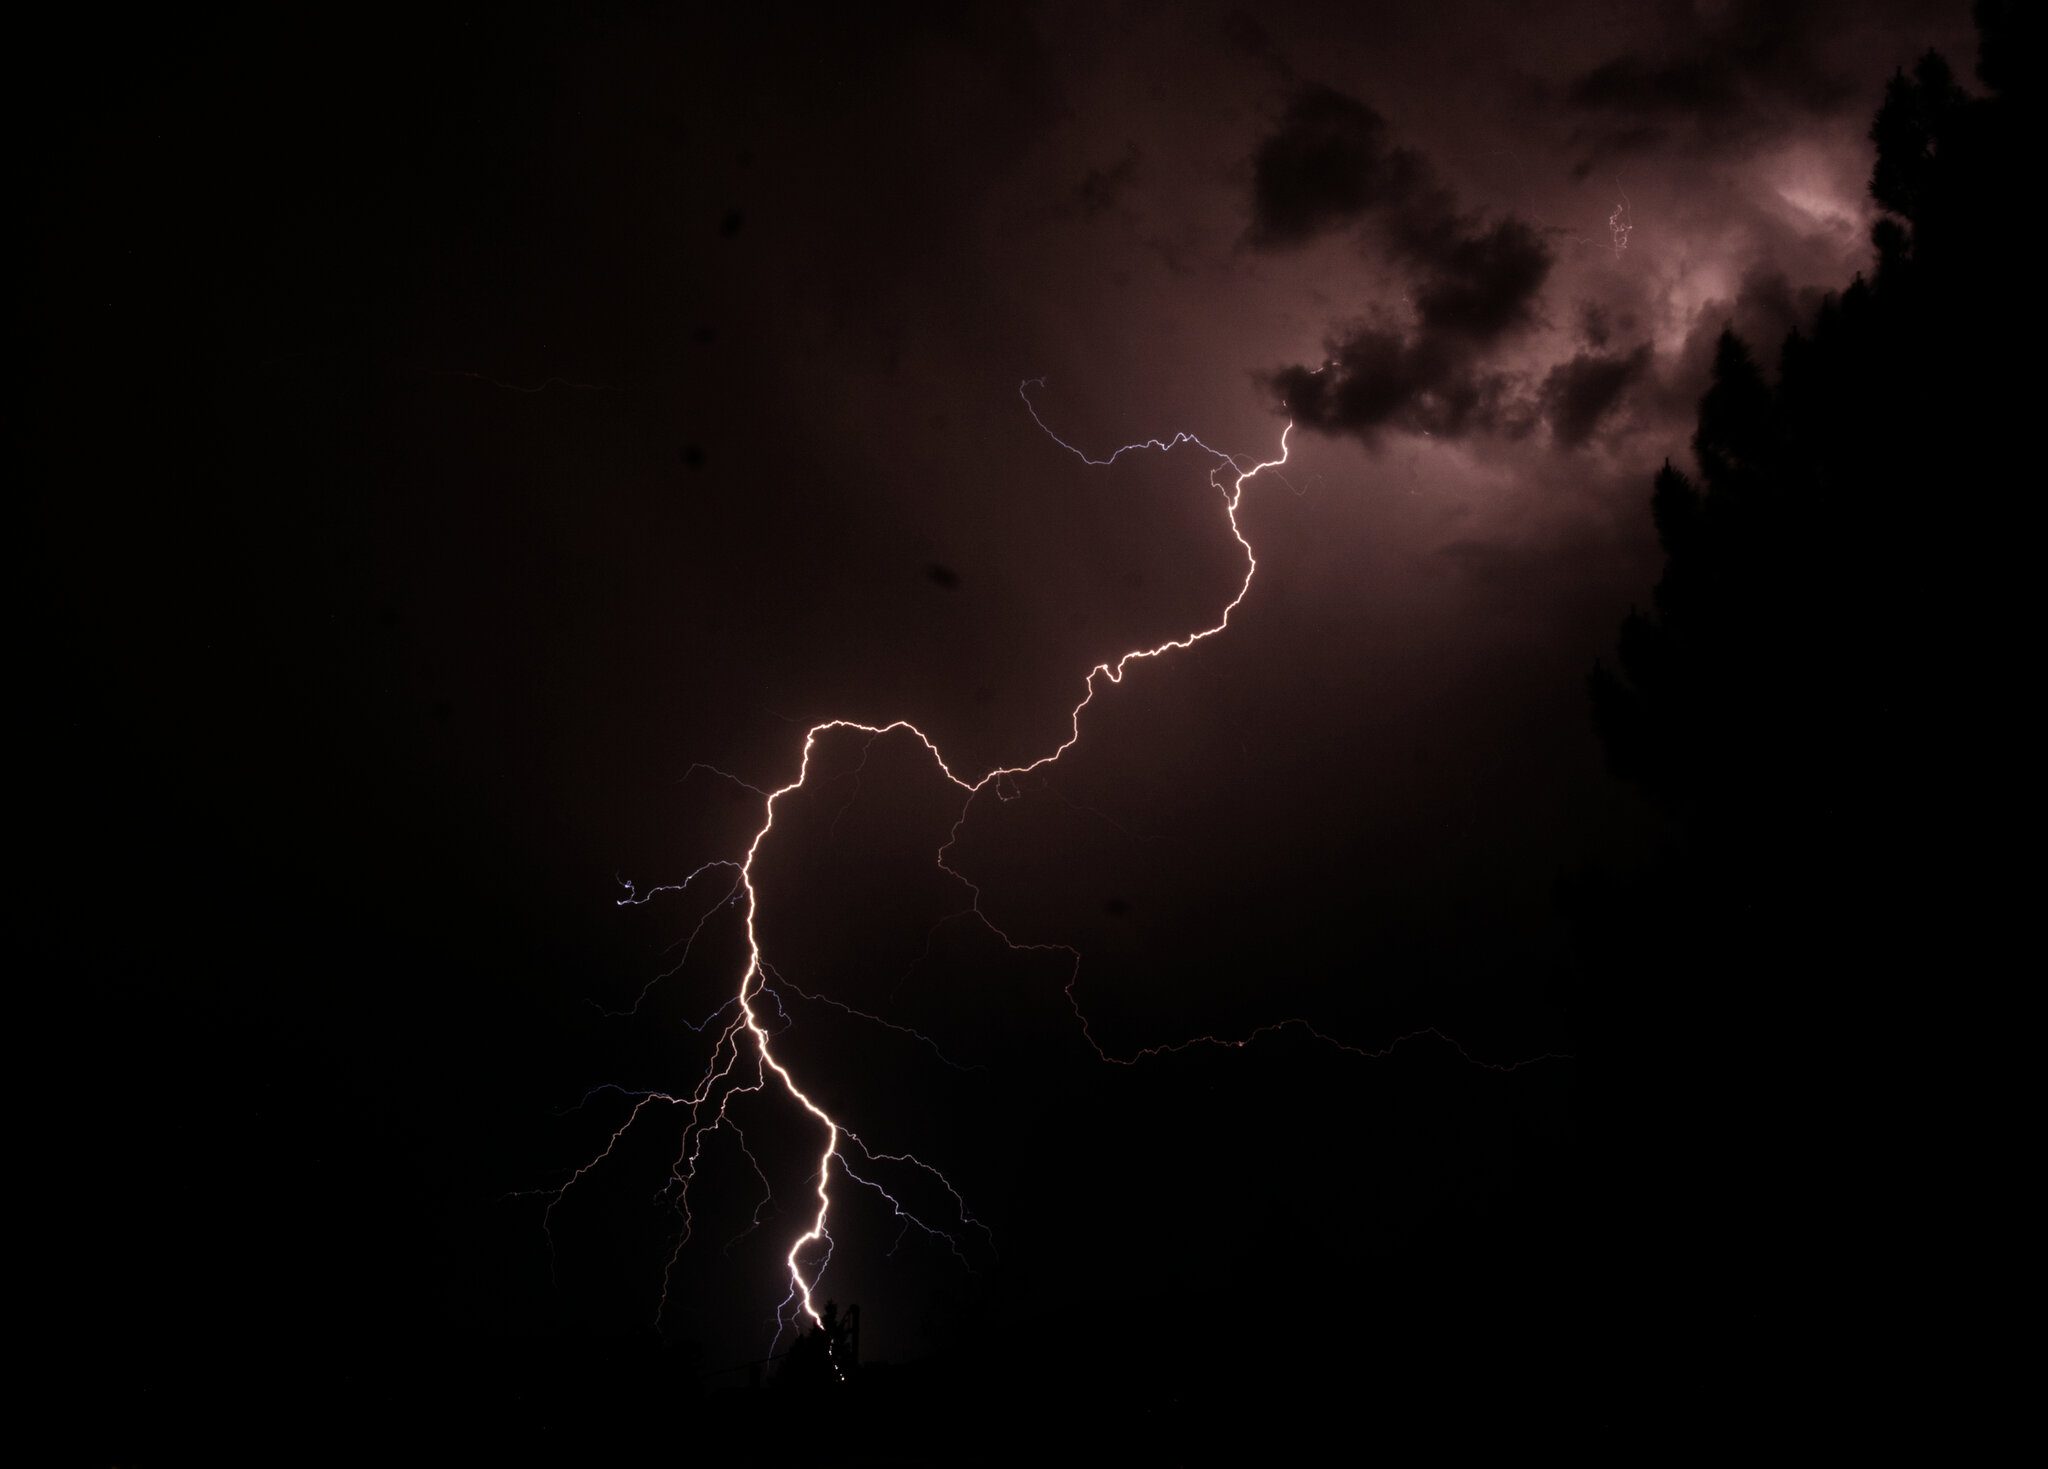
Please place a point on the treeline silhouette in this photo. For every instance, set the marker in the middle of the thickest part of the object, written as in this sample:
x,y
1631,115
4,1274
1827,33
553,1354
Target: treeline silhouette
x,y
823,1356
1793,1016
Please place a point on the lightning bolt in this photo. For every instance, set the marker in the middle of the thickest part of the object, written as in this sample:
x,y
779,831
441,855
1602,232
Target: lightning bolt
x,y
1621,224
743,1058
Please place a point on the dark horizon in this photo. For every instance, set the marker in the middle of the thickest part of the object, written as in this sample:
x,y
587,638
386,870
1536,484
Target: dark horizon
x,y
466,460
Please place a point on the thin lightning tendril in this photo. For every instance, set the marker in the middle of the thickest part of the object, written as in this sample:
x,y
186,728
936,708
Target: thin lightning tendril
x,y
1621,224
743,1059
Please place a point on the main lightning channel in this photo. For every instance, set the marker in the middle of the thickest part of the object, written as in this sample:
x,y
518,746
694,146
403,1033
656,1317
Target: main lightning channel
x,y
732,1072
751,982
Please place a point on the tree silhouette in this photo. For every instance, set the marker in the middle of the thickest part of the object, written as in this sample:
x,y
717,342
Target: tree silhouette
x,y
1803,668
1791,1005
824,1356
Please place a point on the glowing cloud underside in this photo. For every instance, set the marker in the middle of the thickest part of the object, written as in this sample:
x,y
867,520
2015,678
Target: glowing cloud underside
x,y
743,1059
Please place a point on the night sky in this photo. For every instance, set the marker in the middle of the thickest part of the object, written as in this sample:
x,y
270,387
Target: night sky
x,y
451,436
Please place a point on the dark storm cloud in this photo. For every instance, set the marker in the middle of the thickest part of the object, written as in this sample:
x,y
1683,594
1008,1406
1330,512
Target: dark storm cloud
x,y
1479,286
1709,84
1759,49
1595,325
1101,188
1332,165
1376,379
1329,165
1578,395
1247,34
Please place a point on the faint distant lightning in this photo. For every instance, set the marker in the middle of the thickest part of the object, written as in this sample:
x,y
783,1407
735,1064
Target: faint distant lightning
x,y
840,1005
743,1059
1620,225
